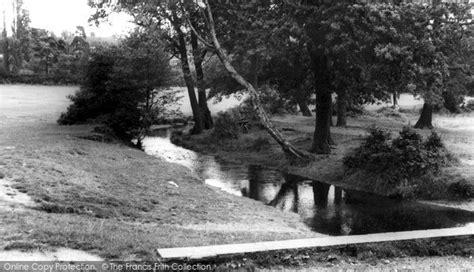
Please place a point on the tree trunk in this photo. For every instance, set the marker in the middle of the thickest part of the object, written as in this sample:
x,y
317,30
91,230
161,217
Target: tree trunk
x,y
188,79
302,104
304,108
322,133
425,117
320,193
341,109
450,102
395,101
6,55
282,194
296,195
254,66
337,195
206,113
292,153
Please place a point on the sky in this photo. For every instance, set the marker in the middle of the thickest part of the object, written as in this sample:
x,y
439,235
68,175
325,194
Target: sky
x,y
59,15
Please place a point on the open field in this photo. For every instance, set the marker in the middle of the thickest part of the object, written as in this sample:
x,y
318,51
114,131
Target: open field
x,y
109,199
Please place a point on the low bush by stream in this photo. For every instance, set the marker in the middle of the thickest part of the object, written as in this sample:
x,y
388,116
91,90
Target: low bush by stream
x,y
408,166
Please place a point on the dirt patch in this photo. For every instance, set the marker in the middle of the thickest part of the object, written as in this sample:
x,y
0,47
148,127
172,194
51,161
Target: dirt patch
x,y
11,198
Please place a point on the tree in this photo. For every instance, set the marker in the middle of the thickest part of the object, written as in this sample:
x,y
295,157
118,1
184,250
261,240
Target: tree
x,y
168,17
46,48
124,87
5,44
292,153
446,30
373,50
20,40
79,46
199,54
287,70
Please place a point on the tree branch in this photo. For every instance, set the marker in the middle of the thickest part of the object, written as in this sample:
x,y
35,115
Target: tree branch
x,y
200,38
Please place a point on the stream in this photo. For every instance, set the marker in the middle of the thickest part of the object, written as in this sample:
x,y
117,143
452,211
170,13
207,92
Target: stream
x,y
323,207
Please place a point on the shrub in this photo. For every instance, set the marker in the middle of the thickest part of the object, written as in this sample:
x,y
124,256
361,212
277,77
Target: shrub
x,y
401,161
259,144
462,189
121,88
226,126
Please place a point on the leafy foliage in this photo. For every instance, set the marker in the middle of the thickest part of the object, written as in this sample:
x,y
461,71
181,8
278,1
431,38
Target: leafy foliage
x,y
273,100
123,87
226,126
401,160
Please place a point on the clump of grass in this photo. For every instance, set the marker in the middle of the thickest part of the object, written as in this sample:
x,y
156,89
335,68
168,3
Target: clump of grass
x,y
390,112
23,246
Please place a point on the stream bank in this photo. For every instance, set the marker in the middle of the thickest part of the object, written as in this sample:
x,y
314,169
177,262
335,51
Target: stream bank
x,y
325,208
257,148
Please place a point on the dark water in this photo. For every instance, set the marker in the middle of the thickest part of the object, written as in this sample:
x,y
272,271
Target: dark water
x,y
325,208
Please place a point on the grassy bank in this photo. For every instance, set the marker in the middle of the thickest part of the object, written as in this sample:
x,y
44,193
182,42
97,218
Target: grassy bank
x,y
257,147
107,198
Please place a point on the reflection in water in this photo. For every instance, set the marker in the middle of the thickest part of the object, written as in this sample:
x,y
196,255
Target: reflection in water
x,y
325,208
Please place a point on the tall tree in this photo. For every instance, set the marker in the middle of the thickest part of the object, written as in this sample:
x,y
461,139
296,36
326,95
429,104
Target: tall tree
x,y
5,44
167,16
21,36
198,58
292,153
46,49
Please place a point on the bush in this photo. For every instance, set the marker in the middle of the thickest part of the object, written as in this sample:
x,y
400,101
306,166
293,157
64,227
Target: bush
x,y
121,88
226,126
94,99
462,189
261,143
401,161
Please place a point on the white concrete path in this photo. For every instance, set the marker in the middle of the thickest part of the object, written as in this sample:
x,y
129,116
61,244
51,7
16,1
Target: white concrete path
x,y
217,250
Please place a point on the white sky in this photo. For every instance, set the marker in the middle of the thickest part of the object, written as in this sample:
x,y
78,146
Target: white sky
x,y
59,15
